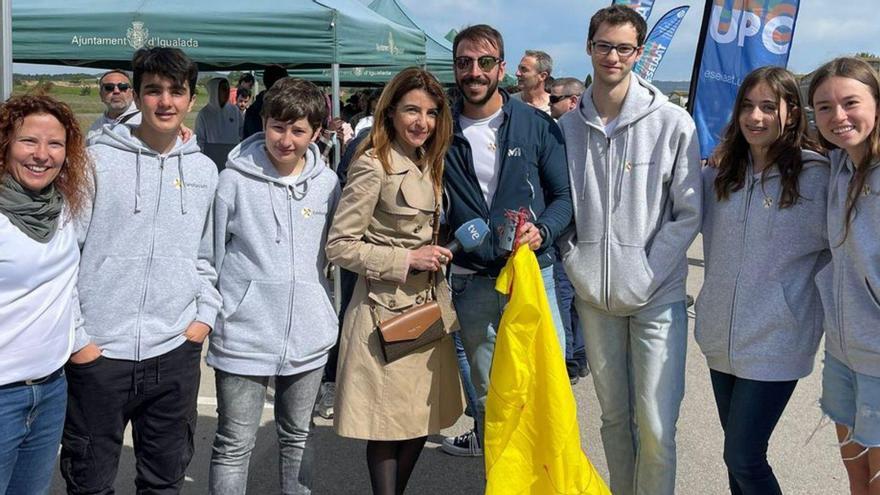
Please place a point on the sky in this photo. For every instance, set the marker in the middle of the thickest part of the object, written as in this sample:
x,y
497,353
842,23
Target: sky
x,y
825,29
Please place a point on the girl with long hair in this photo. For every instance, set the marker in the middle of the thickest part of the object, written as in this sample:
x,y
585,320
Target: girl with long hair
x,y
845,95
764,239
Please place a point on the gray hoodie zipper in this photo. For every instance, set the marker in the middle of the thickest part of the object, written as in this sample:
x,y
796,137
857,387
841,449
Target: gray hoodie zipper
x,y
606,261
146,284
745,222
839,276
289,190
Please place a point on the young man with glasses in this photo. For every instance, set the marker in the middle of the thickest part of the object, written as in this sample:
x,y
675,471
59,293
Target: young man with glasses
x,y
635,171
116,94
505,156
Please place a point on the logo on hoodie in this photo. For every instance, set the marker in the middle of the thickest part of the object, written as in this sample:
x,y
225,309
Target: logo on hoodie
x,y
179,183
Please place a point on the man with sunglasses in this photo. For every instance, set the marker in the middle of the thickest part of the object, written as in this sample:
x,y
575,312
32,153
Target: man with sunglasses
x,y
115,89
564,95
505,156
635,171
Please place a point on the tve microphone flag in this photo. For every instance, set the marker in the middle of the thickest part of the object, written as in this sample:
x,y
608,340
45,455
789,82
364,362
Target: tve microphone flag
x,y
737,37
643,7
658,42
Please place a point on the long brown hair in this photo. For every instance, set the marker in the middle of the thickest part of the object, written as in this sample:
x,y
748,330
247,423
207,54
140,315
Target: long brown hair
x,y
732,155
382,134
74,179
859,70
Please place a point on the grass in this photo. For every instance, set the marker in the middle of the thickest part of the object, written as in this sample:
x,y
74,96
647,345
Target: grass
x,y
88,106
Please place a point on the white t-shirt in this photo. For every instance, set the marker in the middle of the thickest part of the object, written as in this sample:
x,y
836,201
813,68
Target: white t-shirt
x,y
37,301
482,135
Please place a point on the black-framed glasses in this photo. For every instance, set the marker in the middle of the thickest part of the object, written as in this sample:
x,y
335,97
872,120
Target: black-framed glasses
x,y
109,87
603,48
554,99
485,63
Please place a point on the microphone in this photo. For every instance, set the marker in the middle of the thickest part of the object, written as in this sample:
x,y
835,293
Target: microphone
x,y
469,236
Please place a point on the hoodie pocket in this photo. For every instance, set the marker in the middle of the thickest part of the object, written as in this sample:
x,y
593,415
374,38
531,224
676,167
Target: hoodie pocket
x,y
631,278
583,265
110,296
825,285
872,293
315,324
712,325
766,326
171,294
259,322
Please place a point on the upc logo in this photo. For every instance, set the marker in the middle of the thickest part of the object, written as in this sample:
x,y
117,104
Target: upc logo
x,y
744,20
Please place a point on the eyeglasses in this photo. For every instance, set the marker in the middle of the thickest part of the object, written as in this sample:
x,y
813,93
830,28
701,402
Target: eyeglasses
x,y
108,87
603,48
554,99
485,63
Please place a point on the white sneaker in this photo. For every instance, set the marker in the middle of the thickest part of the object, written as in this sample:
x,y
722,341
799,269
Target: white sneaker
x,y
326,399
466,445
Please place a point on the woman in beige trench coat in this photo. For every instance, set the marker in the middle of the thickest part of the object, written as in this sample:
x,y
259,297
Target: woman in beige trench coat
x,y
382,231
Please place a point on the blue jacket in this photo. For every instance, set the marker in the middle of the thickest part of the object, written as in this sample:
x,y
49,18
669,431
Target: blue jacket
x,y
534,176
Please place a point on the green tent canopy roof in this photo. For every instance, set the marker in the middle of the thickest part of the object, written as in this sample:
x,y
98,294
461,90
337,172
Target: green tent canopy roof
x,y
219,35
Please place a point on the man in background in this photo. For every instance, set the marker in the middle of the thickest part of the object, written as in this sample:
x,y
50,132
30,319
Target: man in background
x,y
116,94
531,77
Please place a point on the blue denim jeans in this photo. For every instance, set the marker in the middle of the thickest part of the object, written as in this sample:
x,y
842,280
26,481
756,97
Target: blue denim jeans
x,y
31,422
575,354
749,411
479,307
464,369
240,401
637,364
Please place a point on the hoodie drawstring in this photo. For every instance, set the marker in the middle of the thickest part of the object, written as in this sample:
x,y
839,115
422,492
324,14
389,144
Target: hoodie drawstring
x,y
621,170
137,190
182,184
586,164
274,214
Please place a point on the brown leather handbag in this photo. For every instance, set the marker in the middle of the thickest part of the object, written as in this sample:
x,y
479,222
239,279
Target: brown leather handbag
x,y
419,325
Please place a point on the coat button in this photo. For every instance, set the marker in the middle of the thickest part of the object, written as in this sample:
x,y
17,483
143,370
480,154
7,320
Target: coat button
x,y
418,229
391,303
431,221
420,299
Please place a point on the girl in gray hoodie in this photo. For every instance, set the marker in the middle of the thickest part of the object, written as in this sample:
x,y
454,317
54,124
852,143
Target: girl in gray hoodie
x,y
758,318
272,212
845,94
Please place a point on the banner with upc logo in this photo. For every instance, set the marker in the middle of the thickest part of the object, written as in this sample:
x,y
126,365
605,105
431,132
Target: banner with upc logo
x,y
658,42
739,37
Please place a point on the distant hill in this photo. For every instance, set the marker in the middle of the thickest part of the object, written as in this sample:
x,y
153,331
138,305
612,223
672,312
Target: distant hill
x,y
669,86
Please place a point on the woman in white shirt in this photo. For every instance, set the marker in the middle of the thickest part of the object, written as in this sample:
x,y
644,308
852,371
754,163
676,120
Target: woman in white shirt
x,y
44,183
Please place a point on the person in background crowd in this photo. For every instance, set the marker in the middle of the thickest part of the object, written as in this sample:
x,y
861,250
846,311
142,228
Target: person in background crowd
x,y
364,120
219,123
845,96
532,74
382,230
243,101
494,132
44,183
277,321
635,176
246,82
146,290
253,120
564,95
114,86
764,239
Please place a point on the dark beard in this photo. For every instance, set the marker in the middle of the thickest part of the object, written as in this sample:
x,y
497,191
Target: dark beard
x,y
492,87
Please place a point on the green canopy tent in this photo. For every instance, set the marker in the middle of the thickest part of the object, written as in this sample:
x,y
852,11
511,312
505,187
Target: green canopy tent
x,y
219,35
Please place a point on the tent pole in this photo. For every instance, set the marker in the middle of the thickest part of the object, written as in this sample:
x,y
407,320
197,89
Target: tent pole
x,y
6,48
337,154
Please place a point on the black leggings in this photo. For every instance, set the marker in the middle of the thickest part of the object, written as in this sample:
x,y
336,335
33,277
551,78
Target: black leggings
x,y
391,463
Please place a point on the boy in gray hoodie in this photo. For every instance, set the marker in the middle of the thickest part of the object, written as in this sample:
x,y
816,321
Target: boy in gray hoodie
x,y
634,167
271,215
146,289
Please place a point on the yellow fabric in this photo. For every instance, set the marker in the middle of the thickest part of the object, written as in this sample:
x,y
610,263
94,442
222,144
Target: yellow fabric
x,y
532,438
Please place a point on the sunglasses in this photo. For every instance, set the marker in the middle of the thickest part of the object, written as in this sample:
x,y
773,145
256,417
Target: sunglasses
x,y
108,87
554,99
485,63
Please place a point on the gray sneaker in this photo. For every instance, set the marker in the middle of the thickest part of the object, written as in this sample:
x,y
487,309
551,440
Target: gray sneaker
x,y
466,445
326,399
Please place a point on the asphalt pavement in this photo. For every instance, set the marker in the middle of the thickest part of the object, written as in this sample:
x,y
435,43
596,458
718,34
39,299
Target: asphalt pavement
x,y
803,454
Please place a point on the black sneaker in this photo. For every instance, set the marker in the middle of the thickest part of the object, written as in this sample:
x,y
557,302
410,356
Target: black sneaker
x,y
466,445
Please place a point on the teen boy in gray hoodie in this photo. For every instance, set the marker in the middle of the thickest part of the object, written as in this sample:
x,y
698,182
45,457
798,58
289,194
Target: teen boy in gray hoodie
x,y
271,215
146,289
635,177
